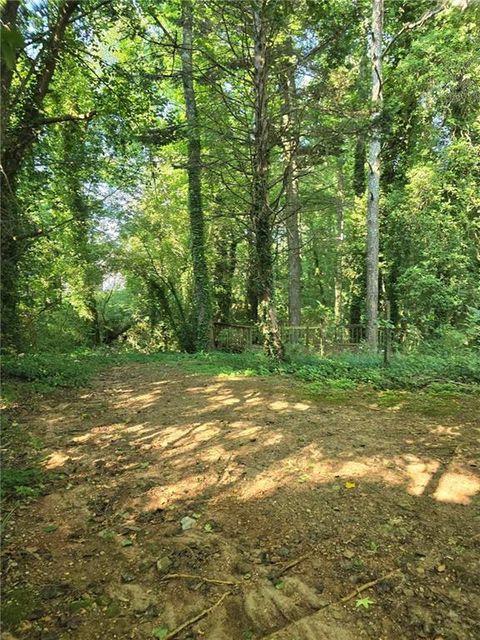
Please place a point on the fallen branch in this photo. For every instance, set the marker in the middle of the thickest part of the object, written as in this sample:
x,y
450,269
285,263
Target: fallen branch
x,y
292,564
364,587
196,618
188,576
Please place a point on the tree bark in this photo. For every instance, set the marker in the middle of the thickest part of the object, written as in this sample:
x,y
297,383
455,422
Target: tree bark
x,y
338,305
374,175
203,310
292,201
261,215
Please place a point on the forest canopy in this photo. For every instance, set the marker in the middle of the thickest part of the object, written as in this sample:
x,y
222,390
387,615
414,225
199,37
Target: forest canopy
x,y
171,169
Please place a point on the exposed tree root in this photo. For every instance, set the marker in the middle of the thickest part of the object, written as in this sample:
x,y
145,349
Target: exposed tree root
x,y
196,618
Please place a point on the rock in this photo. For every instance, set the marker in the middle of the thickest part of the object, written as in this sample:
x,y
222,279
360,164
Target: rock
x,y
187,523
242,568
53,591
127,577
163,564
440,568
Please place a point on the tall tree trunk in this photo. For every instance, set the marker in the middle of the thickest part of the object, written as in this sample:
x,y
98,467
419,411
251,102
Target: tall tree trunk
x,y
251,284
292,201
203,310
374,175
338,308
16,143
261,215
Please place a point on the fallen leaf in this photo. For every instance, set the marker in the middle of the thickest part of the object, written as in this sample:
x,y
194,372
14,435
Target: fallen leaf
x,y
364,602
160,632
350,485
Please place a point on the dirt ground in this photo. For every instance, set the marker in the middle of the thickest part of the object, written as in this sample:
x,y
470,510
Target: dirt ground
x,y
296,504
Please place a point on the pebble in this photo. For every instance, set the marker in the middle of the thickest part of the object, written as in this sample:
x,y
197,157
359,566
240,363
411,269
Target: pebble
x,y
187,523
163,564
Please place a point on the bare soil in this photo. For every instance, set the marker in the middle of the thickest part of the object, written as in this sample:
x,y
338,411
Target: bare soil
x,y
296,503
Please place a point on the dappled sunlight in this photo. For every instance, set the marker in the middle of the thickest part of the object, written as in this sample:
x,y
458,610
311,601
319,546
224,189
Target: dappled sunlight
x,y
457,486
220,443
446,431
420,474
56,460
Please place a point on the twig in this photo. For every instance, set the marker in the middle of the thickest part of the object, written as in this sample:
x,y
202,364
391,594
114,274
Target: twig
x,y
292,564
196,618
367,585
188,576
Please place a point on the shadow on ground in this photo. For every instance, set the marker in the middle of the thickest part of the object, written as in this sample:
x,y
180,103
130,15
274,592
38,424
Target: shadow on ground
x,y
268,476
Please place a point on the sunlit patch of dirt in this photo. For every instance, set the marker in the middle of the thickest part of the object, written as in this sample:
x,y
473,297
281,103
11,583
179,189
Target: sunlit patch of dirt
x,y
293,503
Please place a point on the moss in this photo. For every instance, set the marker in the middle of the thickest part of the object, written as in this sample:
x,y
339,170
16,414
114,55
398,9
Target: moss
x,y
80,605
17,605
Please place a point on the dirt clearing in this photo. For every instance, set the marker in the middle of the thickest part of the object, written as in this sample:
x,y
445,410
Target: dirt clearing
x,y
249,506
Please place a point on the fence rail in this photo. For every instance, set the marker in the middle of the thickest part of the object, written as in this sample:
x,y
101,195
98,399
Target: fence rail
x,y
320,338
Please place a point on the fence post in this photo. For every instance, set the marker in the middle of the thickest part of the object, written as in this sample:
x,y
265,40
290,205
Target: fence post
x,y
387,347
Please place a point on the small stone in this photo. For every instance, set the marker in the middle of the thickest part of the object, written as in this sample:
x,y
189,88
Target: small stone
x,y
163,564
127,577
187,523
242,567
440,568
31,549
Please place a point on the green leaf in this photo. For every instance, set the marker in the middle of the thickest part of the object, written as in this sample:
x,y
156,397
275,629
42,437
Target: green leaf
x,y
364,602
160,632
208,527
127,543
50,528
12,40
280,584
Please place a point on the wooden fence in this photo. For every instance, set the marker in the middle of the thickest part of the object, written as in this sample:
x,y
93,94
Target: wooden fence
x,y
319,338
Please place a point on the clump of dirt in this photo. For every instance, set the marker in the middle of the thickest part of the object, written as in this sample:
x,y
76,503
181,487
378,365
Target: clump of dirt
x,y
249,507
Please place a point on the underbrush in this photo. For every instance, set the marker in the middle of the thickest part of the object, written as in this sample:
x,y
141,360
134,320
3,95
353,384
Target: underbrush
x,y
457,372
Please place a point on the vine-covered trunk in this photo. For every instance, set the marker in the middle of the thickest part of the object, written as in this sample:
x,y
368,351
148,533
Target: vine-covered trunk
x,y
203,310
292,201
373,194
338,306
261,215
16,142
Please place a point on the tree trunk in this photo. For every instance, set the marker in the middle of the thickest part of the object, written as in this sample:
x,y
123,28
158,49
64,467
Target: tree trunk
x,y
338,308
292,201
261,215
374,176
16,143
203,311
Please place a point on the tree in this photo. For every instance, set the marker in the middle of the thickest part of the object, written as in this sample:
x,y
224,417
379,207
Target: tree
x,y
195,208
261,212
373,193
290,143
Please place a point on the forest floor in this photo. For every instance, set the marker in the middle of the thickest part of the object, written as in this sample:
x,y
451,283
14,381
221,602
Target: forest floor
x,y
295,503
